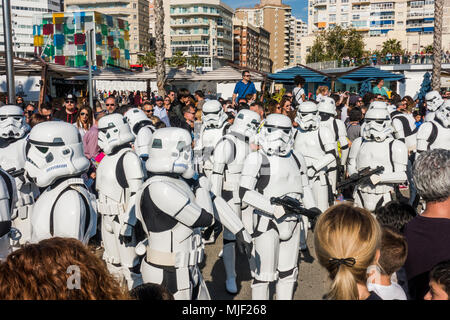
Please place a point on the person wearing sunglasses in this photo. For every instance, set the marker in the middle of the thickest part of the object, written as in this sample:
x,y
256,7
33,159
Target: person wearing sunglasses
x,y
69,112
243,87
84,120
147,107
111,105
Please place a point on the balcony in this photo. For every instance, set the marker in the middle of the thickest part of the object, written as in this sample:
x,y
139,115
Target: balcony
x,y
188,24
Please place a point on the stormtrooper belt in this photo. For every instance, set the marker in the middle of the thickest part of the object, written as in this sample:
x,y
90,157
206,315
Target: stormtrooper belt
x,y
110,209
174,259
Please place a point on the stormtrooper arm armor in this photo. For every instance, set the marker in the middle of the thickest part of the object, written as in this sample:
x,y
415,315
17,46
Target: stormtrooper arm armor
x,y
308,195
330,149
354,150
135,176
142,142
398,130
400,160
343,141
423,135
179,207
223,154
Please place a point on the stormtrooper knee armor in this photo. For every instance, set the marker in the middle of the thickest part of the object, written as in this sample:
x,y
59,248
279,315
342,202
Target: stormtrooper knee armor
x,y
275,170
13,134
318,146
171,216
119,176
434,101
8,196
327,112
142,129
435,134
55,160
229,155
375,148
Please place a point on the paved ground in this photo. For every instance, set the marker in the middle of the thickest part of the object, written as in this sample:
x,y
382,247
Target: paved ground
x,y
312,279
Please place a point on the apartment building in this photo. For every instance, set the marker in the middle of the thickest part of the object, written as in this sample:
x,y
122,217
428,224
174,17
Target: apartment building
x,y
251,46
22,12
203,28
299,29
136,12
411,22
275,17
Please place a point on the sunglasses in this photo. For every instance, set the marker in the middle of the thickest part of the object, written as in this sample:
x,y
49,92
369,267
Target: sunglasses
x,y
247,75
83,114
148,111
109,104
70,101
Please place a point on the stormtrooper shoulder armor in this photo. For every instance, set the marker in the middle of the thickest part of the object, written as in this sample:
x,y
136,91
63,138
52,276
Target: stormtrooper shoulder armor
x,y
424,135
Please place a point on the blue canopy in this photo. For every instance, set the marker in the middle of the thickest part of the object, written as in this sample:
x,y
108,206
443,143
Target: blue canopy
x,y
288,75
369,73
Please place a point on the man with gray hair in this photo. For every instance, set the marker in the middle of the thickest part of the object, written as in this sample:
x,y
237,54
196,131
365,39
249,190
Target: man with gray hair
x,y
428,234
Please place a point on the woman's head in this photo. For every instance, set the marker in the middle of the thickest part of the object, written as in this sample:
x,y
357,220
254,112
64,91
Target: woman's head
x,y
380,83
56,269
85,118
352,234
323,90
273,107
286,105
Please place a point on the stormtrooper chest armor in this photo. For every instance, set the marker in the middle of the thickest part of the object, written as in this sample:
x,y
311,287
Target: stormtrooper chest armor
x,y
234,169
329,124
373,154
283,176
307,143
107,180
442,140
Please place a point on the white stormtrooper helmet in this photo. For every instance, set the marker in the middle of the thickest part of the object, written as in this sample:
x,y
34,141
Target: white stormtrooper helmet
x,y
54,150
327,105
12,123
379,105
308,116
213,115
171,152
377,125
246,123
113,132
434,100
443,114
137,119
276,136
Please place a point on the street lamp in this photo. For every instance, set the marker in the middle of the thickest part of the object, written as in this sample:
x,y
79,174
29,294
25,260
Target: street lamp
x,y
9,55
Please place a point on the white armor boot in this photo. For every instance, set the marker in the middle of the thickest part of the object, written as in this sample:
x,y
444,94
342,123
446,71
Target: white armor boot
x,y
8,196
214,127
55,160
119,176
318,146
172,216
435,134
13,134
275,171
327,113
434,101
142,129
228,160
376,148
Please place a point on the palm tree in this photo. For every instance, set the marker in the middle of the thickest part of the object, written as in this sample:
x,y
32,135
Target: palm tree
x,y
195,61
160,47
392,46
148,60
437,44
178,60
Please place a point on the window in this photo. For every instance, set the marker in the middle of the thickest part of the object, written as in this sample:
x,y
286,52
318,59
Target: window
x,y
195,8
344,8
134,5
332,18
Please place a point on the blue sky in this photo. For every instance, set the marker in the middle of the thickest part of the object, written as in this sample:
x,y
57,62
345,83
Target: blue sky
x,y
299,7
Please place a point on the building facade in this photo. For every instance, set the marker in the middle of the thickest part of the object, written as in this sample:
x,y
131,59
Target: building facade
x,y
135,12
22,12
275,17
299,29
251,46
410,22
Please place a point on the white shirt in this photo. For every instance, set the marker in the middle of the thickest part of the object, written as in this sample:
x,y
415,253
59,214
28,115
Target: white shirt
x,y
297,93
392,292
161,113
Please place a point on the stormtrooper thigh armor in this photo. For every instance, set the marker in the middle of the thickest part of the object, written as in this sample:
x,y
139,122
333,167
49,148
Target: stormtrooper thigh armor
x,y
119,176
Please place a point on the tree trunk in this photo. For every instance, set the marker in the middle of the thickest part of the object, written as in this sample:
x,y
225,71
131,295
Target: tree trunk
x,y
437,44
160,47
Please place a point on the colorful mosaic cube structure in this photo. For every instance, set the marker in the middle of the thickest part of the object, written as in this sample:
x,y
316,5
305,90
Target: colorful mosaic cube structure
x,y
61,38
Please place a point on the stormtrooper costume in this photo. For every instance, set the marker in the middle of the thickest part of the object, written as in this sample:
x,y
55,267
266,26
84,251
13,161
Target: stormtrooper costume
x,y
8,196
214,127
405,128
435,134
13,140
119,176
172,215
56,161
229,155
327,113
142,129
375,148
317,145
434,101
275,170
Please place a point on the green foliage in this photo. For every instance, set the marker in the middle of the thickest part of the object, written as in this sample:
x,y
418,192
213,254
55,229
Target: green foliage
x,y
178,60
195,61
148,60
336,44
392,46
279,95
429,49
